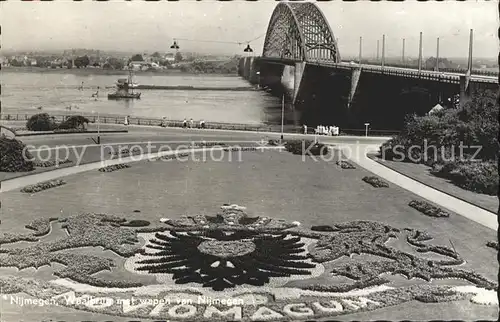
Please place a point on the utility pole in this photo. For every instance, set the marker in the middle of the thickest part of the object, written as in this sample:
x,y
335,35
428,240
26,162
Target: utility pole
x,y
378,47
403,55
437,56
383,51
360,48
420,54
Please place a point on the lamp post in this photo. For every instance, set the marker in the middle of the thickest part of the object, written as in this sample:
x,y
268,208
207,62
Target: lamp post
x,y
420,54
282,115
366,128
383,51
98,132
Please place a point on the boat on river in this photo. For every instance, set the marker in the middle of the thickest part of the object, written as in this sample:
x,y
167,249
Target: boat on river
x,y
125,89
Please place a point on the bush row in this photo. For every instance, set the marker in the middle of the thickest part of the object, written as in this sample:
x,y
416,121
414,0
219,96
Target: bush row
x,y
43,186
428,209
45,122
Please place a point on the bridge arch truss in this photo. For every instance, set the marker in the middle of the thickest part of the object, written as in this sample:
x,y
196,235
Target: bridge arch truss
x,y
300,32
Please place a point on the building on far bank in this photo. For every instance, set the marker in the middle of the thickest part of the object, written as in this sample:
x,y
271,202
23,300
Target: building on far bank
x,y
170,57
139,65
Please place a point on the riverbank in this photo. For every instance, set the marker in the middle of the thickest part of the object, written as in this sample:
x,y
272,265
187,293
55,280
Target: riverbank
x,y
100,71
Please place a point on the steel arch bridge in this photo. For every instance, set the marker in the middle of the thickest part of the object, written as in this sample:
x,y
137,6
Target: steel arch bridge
x,y
300,32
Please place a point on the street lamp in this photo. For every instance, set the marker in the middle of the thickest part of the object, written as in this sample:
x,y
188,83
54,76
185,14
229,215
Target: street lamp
x,y
282,115
174,45
366,128
98,132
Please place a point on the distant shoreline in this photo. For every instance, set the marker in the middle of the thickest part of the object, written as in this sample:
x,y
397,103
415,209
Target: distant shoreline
x,y
100,71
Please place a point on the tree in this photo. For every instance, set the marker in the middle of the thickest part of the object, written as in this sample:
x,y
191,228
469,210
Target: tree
x,y
114,63
83,61
41,122
156,55
137,57
178,57
74,122
15,63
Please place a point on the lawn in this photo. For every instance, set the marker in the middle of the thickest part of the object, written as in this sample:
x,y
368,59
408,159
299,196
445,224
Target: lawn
x,y
421,173
269,184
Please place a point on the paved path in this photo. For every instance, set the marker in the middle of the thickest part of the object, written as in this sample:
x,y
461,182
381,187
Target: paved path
x,y
358,155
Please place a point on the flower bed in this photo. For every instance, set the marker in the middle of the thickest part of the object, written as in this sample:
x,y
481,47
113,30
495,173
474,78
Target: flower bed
x,y
84,230
234,148
492,244
58,130
345,165
209,144
376,182
40,227
43,186
305,147
173,156
428,209
127,152
114,167
51,163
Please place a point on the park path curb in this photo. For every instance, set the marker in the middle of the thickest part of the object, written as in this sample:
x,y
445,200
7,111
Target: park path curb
x,y
20,182
460,207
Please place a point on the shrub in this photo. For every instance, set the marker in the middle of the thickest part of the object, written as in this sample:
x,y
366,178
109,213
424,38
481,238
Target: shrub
x,y
428,209
376,182
74,122
41,122
12,157
445,133
304,147
481,177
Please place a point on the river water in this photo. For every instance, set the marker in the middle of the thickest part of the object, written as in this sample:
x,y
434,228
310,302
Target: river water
x,y
25,91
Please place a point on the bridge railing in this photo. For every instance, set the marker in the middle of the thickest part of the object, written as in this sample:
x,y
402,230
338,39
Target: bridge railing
x,y
481,72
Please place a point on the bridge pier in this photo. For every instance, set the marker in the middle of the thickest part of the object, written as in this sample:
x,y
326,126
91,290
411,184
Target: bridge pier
x,y
465,91
356,74
300,68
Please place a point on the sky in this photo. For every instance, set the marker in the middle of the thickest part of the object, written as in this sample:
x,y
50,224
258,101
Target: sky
x,y
145,27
